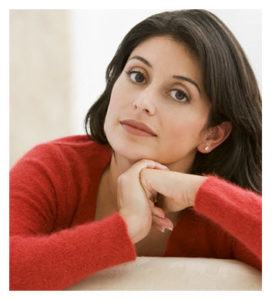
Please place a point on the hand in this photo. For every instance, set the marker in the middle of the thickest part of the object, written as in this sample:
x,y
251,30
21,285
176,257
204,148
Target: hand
x,y
135,208
179,189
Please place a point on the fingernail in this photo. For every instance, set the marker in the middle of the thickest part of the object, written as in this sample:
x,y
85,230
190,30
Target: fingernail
x,y
163,229
160,216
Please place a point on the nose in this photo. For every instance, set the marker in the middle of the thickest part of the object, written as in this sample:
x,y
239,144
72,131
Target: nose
x,y
145,101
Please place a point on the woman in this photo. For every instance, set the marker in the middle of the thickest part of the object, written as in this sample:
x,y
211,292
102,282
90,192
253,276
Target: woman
x,y
174,143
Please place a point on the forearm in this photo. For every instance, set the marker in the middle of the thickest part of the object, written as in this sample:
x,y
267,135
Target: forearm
x,y
56,261
237,210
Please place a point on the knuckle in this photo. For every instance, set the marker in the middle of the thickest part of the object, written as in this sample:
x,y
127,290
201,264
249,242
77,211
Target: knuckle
x,y
142,164
146,162
122,179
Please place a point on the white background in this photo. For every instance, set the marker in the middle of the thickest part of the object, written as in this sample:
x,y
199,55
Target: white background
x,y
96,35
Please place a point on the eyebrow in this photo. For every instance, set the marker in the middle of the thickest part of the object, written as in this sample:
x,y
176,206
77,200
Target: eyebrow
x,y
143,60
189,80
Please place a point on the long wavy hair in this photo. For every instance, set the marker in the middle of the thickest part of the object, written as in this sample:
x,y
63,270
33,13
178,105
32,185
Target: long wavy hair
x,y
229,83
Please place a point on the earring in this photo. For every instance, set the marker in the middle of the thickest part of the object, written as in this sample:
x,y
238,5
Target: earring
x,y
206,148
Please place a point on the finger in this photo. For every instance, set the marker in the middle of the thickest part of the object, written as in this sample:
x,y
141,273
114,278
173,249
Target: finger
x,y
163,222
145,163
157,211
162,228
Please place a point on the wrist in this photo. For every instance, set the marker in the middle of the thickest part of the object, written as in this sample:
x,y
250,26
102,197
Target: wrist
x,y
197,182
137,228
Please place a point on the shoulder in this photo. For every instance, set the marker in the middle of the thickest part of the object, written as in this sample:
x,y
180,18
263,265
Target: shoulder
x,y
81,144
73,152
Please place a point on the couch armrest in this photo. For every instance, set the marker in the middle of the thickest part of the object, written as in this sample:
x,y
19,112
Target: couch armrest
x,y
175,273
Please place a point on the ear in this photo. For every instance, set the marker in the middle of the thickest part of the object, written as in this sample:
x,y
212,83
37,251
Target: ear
x,y
215,136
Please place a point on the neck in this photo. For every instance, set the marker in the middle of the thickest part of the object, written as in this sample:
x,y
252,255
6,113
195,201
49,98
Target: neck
x,y
108,185
119,165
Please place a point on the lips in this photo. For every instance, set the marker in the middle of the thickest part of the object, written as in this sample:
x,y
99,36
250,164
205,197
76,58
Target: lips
x,y
138,128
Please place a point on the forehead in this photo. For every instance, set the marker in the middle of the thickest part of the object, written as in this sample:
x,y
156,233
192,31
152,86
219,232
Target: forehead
x,y
169,54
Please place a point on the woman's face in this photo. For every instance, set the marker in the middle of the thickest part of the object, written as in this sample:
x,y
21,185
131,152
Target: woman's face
x,y
158,109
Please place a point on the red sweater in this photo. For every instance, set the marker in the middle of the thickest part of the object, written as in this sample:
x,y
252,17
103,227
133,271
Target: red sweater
x,y
55,242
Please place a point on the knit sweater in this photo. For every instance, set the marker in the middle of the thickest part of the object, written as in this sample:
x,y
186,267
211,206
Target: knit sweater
x,y
55,240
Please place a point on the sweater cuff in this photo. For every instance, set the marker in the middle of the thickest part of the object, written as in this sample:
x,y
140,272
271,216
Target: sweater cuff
x,y
127,251
217,199
208,200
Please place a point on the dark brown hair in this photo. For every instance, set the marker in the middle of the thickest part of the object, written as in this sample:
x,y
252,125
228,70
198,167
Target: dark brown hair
x,y
229,83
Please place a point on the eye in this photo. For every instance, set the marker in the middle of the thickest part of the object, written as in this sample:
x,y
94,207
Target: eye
x,y
136,76
179,95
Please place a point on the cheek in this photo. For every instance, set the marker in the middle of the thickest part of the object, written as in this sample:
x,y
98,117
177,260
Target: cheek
x,y
120,92
115,103
184,128
118,104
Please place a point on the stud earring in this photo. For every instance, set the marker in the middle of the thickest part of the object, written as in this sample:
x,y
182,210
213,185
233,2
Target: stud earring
x,y
206,148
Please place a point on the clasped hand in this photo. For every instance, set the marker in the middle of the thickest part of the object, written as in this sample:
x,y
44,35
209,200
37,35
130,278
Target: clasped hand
x,y
177,191
139,186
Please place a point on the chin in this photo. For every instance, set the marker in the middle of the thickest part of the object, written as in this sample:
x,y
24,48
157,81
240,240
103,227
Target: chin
x,y
132,151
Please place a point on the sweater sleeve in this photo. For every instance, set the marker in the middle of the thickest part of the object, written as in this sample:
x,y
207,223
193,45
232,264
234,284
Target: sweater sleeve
x,y
238,211
43,257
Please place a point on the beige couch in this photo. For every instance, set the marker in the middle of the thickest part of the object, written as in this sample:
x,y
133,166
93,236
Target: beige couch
x,y
170,273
